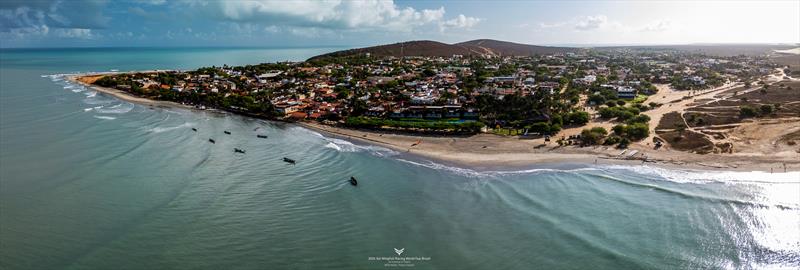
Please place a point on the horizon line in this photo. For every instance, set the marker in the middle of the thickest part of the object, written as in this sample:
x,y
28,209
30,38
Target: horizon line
x,y
572,45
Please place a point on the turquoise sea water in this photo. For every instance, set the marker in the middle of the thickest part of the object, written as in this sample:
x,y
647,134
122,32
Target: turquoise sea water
x,y
90,182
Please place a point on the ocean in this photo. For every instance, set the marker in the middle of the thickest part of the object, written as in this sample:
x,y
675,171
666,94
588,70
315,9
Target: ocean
x,y
91,182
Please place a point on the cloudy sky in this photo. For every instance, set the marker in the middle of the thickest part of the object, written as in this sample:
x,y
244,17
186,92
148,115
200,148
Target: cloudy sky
x,y
295,23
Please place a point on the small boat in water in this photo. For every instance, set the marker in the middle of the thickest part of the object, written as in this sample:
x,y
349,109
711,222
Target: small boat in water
x,y
194,129
289,160
227,132
353,181
211,141
237,150
262,136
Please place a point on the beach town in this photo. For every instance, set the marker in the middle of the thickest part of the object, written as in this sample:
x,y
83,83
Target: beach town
x,y
643,104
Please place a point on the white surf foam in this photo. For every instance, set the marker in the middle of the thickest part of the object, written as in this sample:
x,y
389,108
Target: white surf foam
x,y
348,147
475,173
96,100
699,176
104,117
117,109
164,129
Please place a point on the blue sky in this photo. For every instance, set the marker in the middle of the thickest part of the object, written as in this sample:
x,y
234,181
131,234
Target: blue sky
x,y
293,23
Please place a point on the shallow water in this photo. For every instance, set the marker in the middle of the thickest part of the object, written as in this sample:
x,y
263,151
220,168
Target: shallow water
x,y
91,182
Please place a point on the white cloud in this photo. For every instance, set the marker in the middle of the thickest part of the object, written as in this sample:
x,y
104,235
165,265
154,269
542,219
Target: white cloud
x,y
80,33
460,21
657,26
42,18
153,2
138,11
550,25
591,22
334,14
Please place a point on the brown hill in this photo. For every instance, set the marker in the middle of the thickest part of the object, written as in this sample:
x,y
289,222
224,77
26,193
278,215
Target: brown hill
x,y
505,48
434,48
409,48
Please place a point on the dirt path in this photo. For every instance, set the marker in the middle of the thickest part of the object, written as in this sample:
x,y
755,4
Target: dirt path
x,y
677,101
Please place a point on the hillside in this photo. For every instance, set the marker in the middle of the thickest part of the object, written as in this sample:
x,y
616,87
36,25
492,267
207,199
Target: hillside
x,y
409,48
504,48
434,48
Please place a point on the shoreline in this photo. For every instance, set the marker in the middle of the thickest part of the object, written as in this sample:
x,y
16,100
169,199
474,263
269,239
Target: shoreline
x,y
484,151
488,158
125,96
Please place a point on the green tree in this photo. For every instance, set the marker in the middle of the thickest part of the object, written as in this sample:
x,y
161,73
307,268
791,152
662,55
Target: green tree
x,y
767,109
578,118
746,111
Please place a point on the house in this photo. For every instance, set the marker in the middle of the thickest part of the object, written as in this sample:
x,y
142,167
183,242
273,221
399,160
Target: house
x,y
377,111
298,115
470,114
501,80
529,81
452,111
626,92
286,108
269,75
697,80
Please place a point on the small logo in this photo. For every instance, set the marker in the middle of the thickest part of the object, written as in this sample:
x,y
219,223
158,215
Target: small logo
x,y
399,251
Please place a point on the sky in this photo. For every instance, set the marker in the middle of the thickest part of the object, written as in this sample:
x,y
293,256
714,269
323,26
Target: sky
x,y
309,23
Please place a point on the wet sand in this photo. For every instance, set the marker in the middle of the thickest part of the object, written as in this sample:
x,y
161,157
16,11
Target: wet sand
x,y
489,150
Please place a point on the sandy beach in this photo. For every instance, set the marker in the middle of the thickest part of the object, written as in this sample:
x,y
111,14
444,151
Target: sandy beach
x,y
87,80
491,151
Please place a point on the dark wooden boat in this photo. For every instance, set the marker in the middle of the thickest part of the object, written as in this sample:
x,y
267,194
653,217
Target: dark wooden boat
x,y
227,132
194,129
237,150
289,160
353,181
262,136
211,141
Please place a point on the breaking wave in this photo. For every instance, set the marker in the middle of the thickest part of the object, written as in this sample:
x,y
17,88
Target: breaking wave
x,y
348,147
164,129
699,176
104,117
482,174
116,109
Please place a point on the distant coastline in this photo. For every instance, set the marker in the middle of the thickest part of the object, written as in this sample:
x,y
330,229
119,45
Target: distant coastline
x,y
119,94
